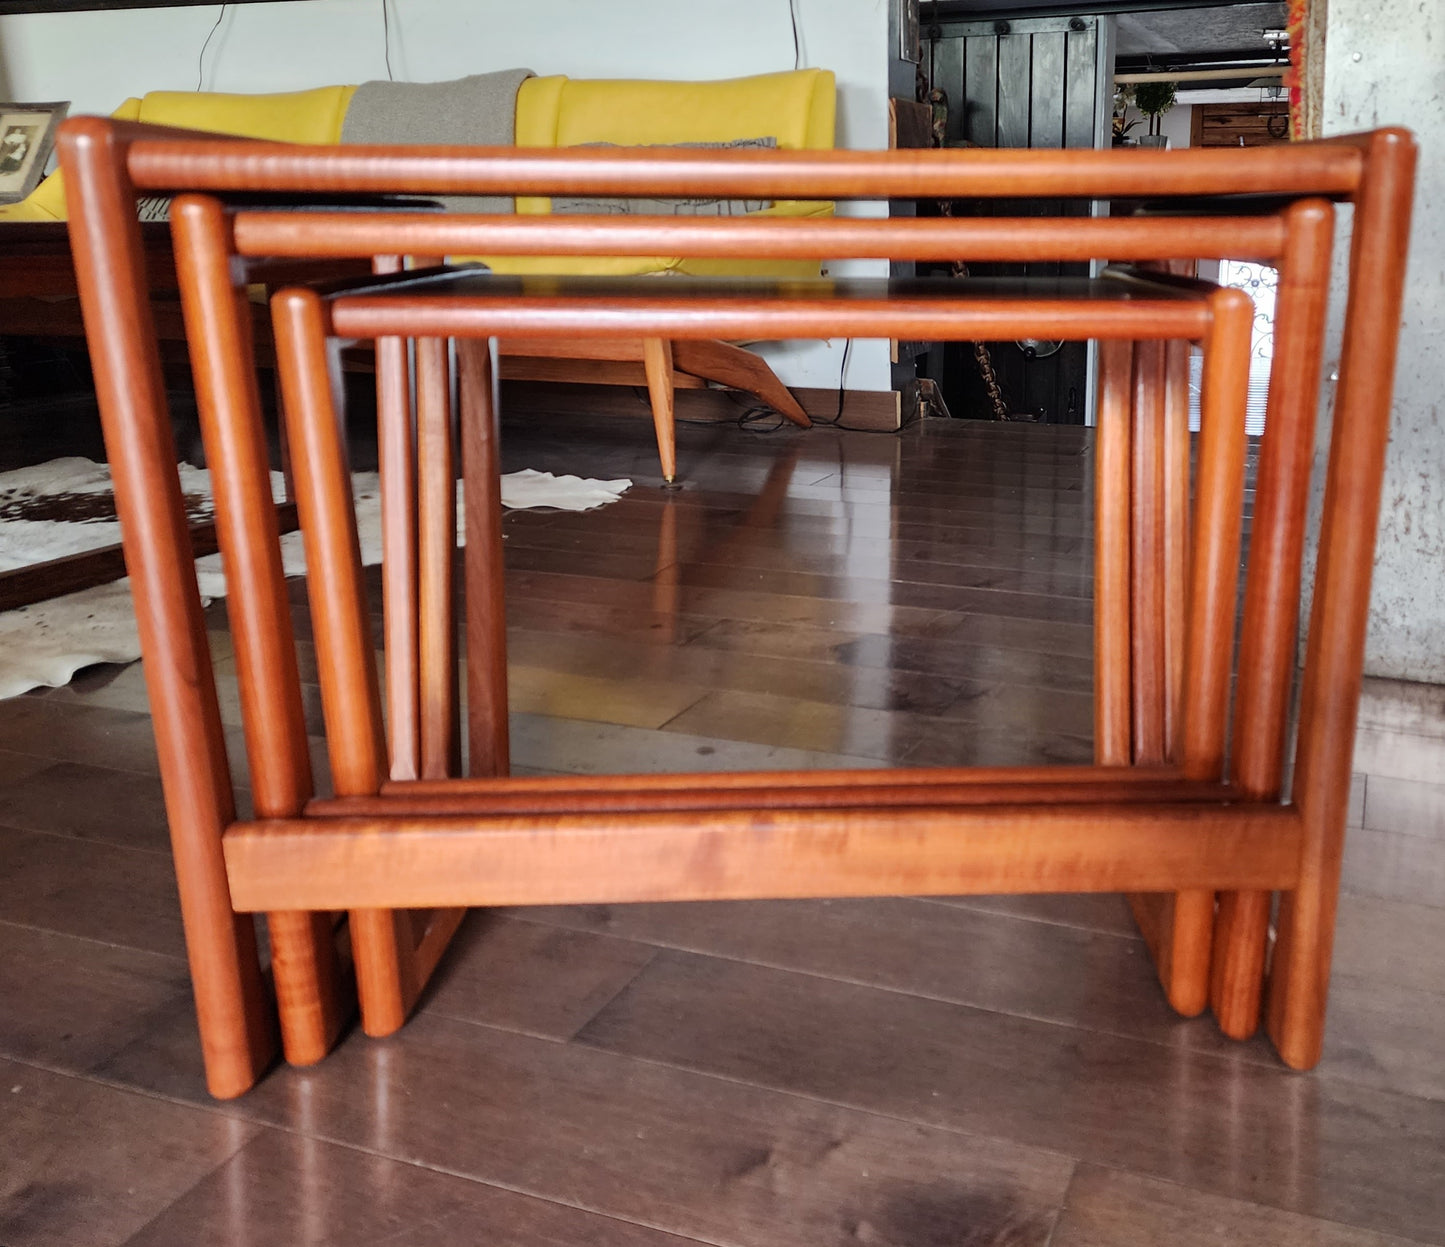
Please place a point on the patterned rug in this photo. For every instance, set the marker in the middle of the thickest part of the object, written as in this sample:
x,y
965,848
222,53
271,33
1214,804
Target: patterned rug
x,y
66,507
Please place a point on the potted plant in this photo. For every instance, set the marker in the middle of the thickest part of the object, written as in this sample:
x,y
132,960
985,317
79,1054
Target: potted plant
x,y
1154,99
1123,98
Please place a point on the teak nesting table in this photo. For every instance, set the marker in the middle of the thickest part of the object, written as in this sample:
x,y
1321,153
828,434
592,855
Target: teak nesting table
x,y
1199,832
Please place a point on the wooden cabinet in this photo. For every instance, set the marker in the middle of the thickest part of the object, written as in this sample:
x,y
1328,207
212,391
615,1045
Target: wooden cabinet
x,y
1240,125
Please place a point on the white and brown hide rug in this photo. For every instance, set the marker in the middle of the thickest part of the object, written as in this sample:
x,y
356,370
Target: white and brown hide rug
x,y
65,507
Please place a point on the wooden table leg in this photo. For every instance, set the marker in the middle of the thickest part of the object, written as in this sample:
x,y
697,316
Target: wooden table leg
x,y
1268,637
657,360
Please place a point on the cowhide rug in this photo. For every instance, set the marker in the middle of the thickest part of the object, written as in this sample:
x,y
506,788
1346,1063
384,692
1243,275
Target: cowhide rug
x,y
65,507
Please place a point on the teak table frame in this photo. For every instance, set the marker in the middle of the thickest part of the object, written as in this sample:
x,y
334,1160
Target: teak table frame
x,y
1182,828
468,306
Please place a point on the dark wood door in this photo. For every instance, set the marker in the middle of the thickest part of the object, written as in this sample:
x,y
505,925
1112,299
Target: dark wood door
x,y
1033,83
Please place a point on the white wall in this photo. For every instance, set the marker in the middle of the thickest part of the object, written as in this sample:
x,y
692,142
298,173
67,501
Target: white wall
x,y
97,59
1384,66
1174,125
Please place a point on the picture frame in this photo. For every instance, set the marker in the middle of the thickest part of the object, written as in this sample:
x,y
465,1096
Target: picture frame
x,y
27,134
910,42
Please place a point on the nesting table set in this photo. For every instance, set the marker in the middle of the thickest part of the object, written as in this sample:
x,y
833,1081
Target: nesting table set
x,y
1185,807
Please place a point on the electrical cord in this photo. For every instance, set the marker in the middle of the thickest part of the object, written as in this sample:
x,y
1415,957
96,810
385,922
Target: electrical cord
x,y
386,39
760,418
750,419
201,60
797,45
837,421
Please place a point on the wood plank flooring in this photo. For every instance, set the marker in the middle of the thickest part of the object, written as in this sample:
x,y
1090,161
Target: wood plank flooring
x,y
891,1073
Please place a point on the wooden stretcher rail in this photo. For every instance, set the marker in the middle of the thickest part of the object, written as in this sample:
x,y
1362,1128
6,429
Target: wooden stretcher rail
x,y
477,799
660,316
1307,168
911,777
753,853
349,234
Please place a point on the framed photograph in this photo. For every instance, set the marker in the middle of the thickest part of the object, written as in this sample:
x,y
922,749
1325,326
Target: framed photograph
x,y
910,47
27,133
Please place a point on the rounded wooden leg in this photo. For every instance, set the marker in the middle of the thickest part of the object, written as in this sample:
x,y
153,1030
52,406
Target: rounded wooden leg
x,y
488,749
1148,542
232,1010
1112,482
1241,939
1339,613
1268,635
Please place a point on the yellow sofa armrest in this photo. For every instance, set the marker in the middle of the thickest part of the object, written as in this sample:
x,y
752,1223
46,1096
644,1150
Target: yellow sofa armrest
x,y
822,134
539,101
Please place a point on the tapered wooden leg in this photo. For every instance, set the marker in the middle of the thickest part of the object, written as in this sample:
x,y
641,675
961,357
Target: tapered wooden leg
x,y
657,360
1329,698
237,1026
486,609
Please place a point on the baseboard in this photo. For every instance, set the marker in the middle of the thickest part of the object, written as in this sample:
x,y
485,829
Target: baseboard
x,y
862,409
879,410
1401,732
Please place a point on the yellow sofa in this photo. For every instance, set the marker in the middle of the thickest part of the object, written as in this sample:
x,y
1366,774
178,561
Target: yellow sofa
x,y
795,108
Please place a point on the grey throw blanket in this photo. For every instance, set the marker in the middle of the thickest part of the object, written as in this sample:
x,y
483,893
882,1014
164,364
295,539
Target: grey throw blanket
x,y
479,111
669,207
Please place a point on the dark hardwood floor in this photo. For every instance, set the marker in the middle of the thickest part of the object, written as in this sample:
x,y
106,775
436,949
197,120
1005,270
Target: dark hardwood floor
x,y
891,1073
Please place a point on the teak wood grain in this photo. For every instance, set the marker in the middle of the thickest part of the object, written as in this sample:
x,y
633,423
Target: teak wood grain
x,y
306,969
1247,845
489,748
1268,634
740,852
470,303
396,462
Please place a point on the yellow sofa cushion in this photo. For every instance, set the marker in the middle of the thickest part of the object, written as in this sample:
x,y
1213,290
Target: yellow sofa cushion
x,y
796,107
289,117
